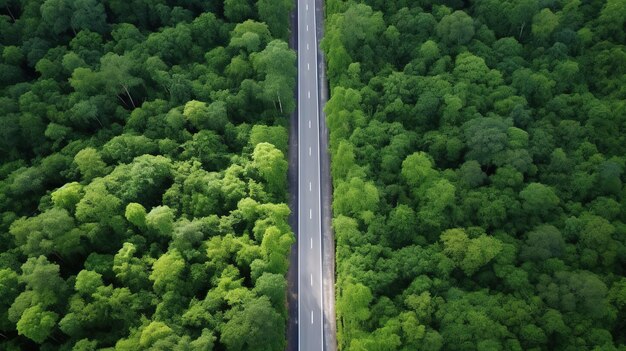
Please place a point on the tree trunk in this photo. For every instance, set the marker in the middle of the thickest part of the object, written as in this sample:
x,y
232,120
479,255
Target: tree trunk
x,y
56,253
10,13
130,97
279,103
122,100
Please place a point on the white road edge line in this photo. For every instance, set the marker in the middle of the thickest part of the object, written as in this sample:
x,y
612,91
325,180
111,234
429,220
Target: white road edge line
x,y
299,178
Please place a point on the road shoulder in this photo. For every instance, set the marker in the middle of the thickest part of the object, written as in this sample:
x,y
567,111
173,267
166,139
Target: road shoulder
x,y
328,239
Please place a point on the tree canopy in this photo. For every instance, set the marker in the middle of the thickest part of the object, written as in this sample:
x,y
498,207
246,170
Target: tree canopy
x,y
477,159
143,174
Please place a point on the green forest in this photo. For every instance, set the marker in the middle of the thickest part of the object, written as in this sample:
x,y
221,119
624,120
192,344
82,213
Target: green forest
x,y
478,152
143,174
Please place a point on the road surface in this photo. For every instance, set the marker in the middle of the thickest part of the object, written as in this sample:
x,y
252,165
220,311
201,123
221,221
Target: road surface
x,y
310,278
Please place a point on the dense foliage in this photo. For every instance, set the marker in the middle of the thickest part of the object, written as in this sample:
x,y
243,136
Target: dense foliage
x,y
478,165
143,174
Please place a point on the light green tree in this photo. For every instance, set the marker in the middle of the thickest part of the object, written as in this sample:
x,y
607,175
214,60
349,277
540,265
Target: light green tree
x,y
36,323
167,271
272,166
469,254
417,168
68,196
136,214
354,196
161,220
353,309
544,23
90,163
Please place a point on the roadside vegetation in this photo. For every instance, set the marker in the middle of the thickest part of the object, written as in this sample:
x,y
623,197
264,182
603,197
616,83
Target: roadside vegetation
x,y
143,174
478,165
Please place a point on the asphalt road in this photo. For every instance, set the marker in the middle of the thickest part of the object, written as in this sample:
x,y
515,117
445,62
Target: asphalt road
x,y
310,278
